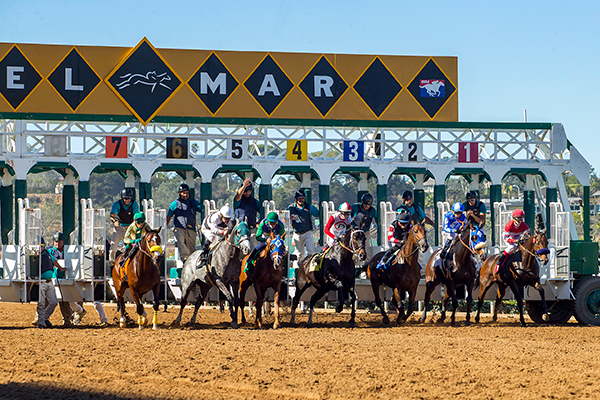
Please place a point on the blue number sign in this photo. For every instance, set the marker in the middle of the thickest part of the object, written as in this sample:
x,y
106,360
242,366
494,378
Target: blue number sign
x,y
354,150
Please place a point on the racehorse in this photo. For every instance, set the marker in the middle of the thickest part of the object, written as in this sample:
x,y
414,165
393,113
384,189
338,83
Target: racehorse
x,y
222,270
524,271
140,274
467,247
404,273
267,272
336,273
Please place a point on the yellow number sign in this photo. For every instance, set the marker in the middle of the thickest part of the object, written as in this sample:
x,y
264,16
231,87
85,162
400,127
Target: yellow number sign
x,y
297,150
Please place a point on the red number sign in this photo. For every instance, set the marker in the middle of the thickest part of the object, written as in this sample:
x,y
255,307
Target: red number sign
x,y
116,147
468,152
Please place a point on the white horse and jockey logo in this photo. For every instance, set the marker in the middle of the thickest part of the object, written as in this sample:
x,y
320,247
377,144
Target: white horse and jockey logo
x,y
150,79
432,88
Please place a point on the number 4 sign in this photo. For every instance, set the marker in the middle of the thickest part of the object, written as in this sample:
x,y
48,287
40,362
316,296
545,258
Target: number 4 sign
x,y
468,152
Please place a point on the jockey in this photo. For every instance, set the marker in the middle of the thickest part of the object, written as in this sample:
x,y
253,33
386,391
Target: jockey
x,y
138,228
453,221
337,224
397,235
269,225
513,231
214,227
415,211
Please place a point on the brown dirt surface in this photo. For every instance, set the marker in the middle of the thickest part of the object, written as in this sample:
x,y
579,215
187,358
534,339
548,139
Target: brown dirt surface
x,y
212,361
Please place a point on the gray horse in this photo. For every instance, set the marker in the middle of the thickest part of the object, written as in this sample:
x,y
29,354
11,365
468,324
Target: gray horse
x,y
225,268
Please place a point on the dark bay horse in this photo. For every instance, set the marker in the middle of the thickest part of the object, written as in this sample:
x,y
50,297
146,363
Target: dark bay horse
x,y
223,271
336,273
267,274
466,249
404,273
140,274
524,271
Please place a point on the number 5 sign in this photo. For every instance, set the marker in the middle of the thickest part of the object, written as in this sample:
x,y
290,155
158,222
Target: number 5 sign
x,y
468,152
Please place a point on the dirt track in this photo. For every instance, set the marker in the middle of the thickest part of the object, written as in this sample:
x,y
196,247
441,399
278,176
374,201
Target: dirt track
x,y
490,360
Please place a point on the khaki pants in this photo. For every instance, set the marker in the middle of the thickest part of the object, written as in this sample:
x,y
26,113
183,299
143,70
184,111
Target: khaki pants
x,y
186,242
304,243
47,302
118,235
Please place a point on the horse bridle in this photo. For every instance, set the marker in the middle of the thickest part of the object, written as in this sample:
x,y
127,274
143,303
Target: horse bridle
x,y
353,250
417,243
153,257
536,256
276,254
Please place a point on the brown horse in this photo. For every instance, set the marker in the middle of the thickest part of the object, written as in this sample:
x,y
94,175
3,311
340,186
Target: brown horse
x,y
404,273
267,274
140,274
337,273
461,270
524,271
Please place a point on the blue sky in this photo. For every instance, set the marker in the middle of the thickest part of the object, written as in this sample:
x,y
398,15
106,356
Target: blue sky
x,y
541,56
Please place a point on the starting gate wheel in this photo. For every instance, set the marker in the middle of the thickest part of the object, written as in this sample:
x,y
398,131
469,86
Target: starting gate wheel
x,y
559,312
587,301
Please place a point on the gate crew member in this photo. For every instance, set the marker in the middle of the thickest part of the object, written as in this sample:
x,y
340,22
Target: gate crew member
x,y
397,236
121,215
47,301
246,208
513,231
301,215
368,216
475,209
337,223
184,209
214,227
416,213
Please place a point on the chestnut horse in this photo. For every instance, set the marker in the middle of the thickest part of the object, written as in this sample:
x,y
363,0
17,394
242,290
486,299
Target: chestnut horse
x,y
461,270
404,273
140,274
337,273
267,273
524,271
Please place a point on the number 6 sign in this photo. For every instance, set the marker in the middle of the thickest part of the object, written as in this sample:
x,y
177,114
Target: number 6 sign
x,y
468,152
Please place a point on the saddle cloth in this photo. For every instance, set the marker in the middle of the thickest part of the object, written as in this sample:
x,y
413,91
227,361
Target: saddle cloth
x,y
123,270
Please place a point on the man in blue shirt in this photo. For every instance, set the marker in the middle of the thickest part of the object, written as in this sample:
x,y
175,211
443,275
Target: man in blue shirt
x,y
246,208
47,301
417,215
184,210
475,209
302,225
121,215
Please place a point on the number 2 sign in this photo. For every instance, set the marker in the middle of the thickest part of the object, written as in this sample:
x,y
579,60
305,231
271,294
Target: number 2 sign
x,y
468,152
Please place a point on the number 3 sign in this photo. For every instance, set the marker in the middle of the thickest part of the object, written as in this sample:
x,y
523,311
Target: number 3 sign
x,y
468,152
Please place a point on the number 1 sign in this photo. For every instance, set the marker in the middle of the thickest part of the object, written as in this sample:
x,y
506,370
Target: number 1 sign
x,y
468,152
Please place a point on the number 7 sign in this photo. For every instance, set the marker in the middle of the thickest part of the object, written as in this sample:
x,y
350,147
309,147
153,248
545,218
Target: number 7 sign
x,y
468,152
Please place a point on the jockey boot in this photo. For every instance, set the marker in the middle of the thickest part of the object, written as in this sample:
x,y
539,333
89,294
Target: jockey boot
x,y
501,261
445,250
204,255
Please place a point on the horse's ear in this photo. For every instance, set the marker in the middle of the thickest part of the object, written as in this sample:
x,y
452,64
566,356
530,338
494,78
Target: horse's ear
x,y
158,230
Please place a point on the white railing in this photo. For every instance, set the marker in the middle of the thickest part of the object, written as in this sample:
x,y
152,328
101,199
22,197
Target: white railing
x,y
560,238
442,208
502,216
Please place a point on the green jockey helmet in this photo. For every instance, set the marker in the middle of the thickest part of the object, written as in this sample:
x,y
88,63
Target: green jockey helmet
x,y
272,217
139,217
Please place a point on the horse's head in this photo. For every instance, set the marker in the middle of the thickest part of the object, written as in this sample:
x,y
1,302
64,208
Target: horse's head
x,y
477,242
277,251
420,237
356,240
540,246
241,236
151,244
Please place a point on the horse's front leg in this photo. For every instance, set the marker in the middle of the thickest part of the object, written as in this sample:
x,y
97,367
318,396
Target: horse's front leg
x,y
260,293
445,301
341,300
540,289
484,285
352,322
469,288
411,301
397,295
242,301
429,287
276,301
313,302
121,301
219,283
375,285
139,308
155,305
499,296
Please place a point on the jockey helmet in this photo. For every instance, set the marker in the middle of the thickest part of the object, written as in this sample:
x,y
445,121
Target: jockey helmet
x,y
126,193
458,207
272,217
345,208
183,187
367,199
407,194
300,193
403,217
518,213
471,195
139,217
226,211
57,236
